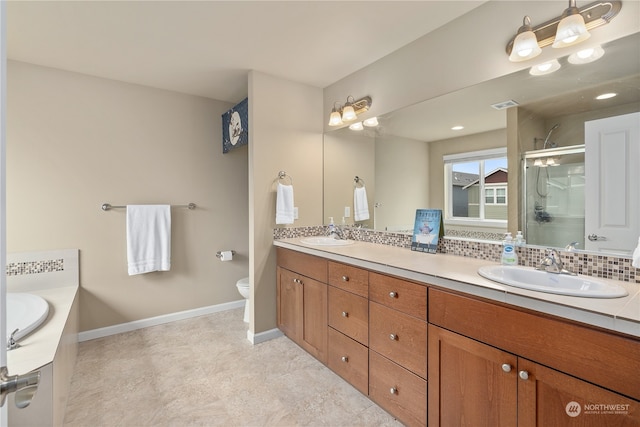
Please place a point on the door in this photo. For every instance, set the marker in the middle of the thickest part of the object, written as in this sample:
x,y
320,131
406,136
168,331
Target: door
x,y
470,383
290,304
550,398
612,193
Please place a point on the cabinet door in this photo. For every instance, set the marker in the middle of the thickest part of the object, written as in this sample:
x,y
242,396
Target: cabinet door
x,y
314,329
470,383
550,398
289,305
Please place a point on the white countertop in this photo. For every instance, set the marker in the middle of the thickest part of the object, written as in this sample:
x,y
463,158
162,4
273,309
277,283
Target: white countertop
x,y
460,273
39,347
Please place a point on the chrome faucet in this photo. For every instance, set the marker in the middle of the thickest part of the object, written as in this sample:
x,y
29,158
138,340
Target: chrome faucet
x,y
552,263
337,233
571,246
11,342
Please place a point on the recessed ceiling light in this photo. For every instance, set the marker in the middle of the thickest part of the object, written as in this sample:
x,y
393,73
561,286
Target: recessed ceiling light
x,y
457,127
606,96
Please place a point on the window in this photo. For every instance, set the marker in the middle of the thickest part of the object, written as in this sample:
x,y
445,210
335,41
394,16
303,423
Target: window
x,y
476,187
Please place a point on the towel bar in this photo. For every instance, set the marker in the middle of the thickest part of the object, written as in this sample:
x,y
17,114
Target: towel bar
x,y
107,206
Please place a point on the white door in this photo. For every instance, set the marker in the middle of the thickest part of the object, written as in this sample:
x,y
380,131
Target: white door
x,y
612,187
3,253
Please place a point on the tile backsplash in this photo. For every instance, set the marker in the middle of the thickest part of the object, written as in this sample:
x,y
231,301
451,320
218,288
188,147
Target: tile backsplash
x,y
603,266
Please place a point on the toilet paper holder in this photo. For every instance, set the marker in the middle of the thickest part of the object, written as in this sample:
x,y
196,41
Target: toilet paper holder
x,y
219,253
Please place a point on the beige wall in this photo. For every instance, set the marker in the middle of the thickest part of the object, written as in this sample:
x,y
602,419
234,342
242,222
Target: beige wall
x,y
285,134
75,142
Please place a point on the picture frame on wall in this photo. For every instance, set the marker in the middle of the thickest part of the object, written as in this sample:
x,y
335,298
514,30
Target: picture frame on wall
x,y
235,126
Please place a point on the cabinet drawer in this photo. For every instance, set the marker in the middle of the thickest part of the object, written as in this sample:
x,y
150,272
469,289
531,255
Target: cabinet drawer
x,y
408,297
399,337
596,356
397,390
307,265
349,359
352,279
349,314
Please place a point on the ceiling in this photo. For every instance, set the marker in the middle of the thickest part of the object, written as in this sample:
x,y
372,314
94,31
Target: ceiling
x,y
206,48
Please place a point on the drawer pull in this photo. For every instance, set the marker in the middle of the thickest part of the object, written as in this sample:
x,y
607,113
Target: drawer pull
x,y
506,367
393,337
524,375
345,278
393,390
345,314
393,294
345,359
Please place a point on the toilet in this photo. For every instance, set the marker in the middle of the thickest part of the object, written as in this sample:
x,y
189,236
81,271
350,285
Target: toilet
x,y
243,288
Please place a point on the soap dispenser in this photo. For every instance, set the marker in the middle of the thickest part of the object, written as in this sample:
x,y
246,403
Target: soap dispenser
x,y
509,255
332,227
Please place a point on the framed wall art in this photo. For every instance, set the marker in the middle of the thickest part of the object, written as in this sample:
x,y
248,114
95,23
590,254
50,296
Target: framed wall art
x,y
235,126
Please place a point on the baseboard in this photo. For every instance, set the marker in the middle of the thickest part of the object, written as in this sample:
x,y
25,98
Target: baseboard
x,y
263,336
158,320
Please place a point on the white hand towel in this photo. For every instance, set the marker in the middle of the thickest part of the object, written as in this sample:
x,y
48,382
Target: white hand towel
x,y
360,204
636,256
148,238
284,204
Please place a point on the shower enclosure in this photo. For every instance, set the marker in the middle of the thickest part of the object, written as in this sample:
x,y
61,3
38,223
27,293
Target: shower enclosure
x,y
554,187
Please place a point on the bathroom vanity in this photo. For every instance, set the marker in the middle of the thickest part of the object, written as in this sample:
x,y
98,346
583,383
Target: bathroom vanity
x,y
434,344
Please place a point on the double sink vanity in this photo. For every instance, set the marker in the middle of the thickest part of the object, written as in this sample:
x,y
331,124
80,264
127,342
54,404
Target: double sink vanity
x,y
435,343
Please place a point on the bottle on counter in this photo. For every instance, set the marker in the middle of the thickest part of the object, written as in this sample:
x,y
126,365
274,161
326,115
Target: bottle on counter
x,y
509,255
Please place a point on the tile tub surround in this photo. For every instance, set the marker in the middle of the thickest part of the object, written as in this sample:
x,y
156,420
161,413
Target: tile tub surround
x,y
588,264
461,274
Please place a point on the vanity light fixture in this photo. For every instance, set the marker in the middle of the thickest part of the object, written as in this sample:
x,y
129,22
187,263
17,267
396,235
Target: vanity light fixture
x,y
356,126
525,45
586,56
371,122
570,28
545,68
350,110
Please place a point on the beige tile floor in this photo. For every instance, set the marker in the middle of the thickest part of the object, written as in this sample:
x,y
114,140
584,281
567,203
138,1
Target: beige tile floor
x,y
204,372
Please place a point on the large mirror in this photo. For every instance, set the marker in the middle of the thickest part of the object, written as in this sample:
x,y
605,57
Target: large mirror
x,y
401,162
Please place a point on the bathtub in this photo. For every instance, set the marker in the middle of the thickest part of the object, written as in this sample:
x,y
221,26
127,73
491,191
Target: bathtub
x,y
25,313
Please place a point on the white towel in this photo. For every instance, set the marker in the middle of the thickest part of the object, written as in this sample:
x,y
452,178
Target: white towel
x,y
148,238
636,256
360,204
284,204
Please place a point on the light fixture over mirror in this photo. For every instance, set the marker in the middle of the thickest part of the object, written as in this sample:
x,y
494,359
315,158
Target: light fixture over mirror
x,y
571,28
349,111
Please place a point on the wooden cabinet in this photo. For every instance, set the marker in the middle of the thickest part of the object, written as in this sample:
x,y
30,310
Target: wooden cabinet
x,y
349,359
349,314
478,373
398,347
302,301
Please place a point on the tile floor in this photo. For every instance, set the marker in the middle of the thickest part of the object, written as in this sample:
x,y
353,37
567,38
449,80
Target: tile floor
x,y
204,372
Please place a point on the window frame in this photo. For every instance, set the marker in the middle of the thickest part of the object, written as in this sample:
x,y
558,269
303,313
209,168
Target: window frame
x,y
466,157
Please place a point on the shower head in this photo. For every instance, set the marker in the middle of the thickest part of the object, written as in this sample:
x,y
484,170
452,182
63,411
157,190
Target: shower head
x,y
556,126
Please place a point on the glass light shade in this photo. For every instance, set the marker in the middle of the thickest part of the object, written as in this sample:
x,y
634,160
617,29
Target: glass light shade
x,y
334,118
371,122
348,113
356,126
586,56
571,30
539,163
525,47
545,68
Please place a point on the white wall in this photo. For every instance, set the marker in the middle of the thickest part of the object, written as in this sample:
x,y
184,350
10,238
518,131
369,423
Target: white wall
x,y
75,142
285,135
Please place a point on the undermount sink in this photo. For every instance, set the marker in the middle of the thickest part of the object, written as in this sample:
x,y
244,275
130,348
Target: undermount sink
x,y
326,241
542,281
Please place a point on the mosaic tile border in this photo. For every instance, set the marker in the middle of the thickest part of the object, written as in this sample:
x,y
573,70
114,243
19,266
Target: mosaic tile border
x,y
35,267
605,267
